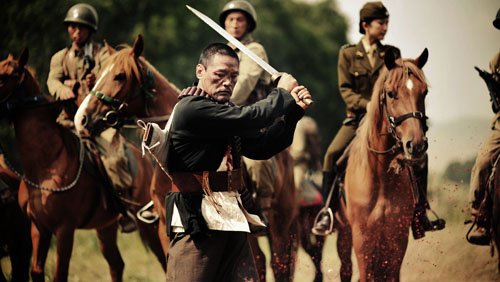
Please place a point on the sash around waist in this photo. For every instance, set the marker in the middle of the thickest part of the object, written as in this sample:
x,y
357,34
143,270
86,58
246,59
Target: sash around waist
x,y
217,181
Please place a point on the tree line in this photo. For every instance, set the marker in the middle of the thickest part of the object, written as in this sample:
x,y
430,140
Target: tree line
x,y
300,38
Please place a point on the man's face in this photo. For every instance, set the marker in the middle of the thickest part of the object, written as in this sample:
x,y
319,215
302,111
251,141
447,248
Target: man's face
x,y
377,28
218,77
78,33
236,24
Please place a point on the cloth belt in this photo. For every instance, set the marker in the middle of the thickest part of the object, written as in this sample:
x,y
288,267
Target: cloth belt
x,y
218,181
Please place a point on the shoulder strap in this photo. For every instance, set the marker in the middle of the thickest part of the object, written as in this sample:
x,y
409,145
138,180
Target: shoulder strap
x,y
64,62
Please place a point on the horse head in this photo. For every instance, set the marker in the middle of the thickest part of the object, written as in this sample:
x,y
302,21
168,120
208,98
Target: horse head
x,y
402,101
124,84
12,75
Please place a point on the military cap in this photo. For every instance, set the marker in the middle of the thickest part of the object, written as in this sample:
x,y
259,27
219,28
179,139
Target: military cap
x,y
373,10
496,22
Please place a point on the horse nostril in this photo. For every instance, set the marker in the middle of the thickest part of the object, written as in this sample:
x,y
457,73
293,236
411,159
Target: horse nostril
x,y
409,147
425,145
84,120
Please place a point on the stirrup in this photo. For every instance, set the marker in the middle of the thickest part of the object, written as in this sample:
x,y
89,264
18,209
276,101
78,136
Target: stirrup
x,y
147,216
329,213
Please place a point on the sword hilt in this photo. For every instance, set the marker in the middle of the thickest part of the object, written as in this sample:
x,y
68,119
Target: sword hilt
x,y
275,78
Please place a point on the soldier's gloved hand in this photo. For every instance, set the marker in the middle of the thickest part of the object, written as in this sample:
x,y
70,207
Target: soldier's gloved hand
x,y
90,80
300,94
287,82
192,91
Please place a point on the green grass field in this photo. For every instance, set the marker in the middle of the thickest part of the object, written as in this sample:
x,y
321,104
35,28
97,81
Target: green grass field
x,y
440,256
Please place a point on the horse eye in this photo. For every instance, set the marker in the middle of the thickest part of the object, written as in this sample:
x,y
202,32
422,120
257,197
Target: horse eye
x,y
390,94
120,77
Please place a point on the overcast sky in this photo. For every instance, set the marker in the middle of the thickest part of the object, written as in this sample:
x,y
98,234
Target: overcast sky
x,y
458,33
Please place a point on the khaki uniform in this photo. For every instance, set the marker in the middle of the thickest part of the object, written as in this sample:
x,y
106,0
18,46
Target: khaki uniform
x,y
67,67
253,85
253,82
356,78
489,150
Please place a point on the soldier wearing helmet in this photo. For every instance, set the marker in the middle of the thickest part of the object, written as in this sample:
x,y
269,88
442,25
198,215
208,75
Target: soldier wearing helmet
x,y
239,19
73,69
486,159
72,74
359,66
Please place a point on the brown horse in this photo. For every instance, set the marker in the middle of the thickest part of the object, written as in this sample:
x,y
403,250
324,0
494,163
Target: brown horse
x,y
380,186
62,189
131,86
124,91
283,232
15,235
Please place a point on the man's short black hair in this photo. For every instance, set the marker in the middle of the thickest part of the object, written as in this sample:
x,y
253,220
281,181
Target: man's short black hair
x,y
216,48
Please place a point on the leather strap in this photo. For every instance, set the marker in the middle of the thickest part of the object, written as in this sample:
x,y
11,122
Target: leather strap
x,y
218,181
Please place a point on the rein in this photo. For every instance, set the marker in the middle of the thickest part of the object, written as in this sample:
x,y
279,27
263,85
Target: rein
x,y
393,123
38,186
113,117
31,102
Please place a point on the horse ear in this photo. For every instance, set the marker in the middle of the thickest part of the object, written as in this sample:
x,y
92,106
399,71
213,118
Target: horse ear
x,y
138,46
422,59
23,58
111,50
391,55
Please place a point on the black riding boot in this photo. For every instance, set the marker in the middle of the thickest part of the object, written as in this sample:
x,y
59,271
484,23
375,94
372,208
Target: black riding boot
x,y
323,224
481,235
421,223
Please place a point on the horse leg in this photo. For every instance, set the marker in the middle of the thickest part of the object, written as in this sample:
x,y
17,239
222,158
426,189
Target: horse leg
x,y
283,252
149,232
65,238
258,256
344,249
19,245
40,239
109,248
363,247
313,245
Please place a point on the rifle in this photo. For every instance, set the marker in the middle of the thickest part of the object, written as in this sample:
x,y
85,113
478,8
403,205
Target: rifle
x,y
493,88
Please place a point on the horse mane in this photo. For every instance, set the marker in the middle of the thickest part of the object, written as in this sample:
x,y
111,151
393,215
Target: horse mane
x,y
388,80
125,60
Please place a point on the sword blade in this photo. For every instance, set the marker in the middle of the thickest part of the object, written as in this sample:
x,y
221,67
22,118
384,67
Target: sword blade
x,y
215,26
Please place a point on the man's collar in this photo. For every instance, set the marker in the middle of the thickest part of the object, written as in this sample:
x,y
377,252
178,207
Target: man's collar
x,y
367,45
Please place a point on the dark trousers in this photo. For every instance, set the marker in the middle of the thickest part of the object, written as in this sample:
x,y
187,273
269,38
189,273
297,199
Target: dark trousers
x,y
220,256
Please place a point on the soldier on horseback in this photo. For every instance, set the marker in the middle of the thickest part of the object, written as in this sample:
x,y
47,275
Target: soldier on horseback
x,y
359,66
72,74
481,198
239,19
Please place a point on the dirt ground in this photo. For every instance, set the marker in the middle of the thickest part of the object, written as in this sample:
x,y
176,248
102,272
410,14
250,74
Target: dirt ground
x,y
440,256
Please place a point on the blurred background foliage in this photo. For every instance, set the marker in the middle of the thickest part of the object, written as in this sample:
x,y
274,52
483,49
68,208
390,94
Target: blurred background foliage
x,y
300,38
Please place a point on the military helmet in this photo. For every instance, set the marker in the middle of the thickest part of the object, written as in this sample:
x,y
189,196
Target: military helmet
x,y
83,14
496,22
242,6
371,11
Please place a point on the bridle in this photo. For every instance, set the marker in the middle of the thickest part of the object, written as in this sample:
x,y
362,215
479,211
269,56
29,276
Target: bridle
x,y
114,117
395,122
